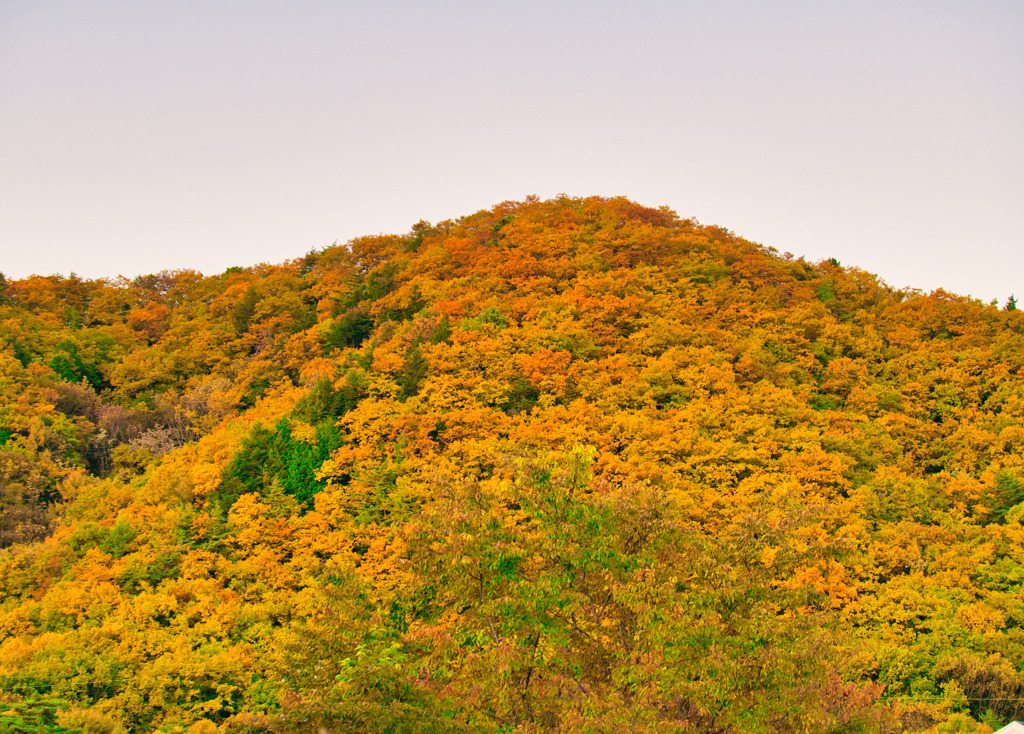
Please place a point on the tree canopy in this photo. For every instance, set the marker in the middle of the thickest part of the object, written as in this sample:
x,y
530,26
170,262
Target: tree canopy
x,y
565,465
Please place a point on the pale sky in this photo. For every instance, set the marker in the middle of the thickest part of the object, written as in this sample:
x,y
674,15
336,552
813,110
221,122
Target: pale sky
x,y
138,136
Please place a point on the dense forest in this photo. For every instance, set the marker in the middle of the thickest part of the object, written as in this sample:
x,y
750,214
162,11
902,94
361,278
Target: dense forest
x,y
573,465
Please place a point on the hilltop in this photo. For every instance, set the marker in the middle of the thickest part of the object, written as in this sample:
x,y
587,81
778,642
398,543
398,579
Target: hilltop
x,y
569,465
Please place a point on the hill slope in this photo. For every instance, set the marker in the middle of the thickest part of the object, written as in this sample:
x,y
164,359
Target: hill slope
x,y
572,465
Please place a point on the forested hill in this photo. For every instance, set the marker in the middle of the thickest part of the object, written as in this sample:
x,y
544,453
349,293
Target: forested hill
x,y
572,465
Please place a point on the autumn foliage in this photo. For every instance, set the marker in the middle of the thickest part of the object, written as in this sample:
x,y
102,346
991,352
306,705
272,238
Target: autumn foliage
x,y
573,465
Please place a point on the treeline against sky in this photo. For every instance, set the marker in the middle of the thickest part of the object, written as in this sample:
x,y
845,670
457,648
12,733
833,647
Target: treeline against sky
x,y
567,465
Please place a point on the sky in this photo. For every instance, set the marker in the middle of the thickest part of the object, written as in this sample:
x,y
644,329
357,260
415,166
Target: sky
x,y
139,136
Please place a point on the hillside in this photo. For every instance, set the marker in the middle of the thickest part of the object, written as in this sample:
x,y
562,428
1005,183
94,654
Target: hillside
x,y
567,465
